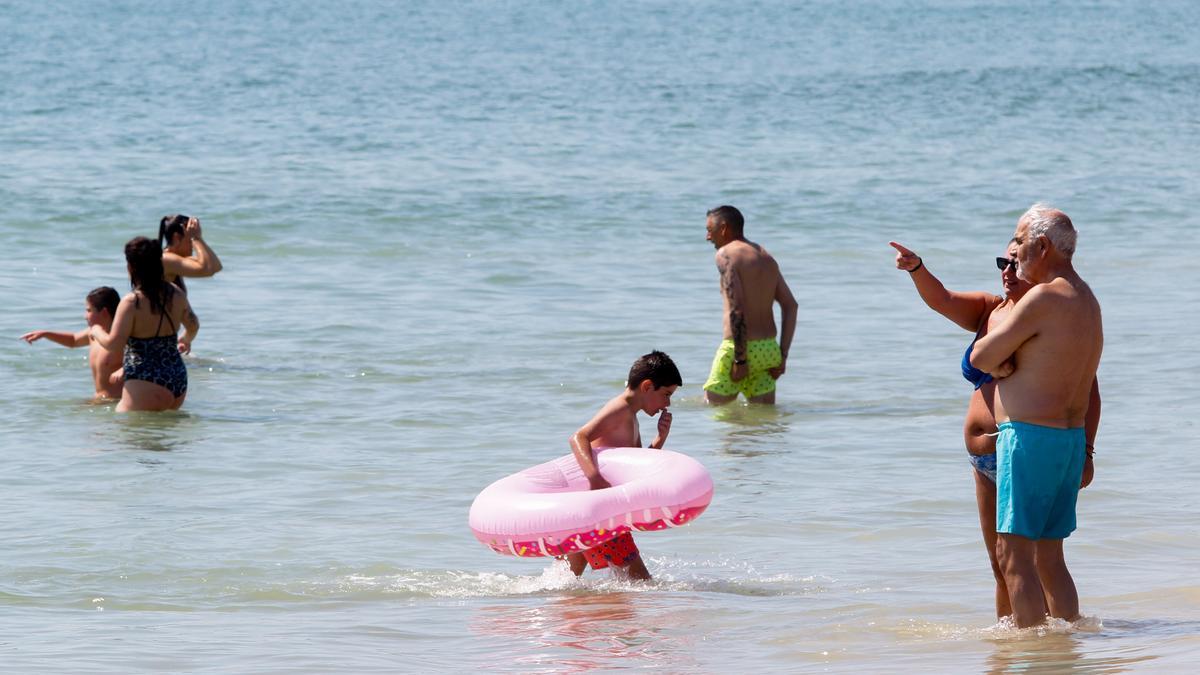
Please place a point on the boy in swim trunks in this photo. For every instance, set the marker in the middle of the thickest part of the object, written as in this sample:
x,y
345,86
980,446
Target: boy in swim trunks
x,y
101,305
652,380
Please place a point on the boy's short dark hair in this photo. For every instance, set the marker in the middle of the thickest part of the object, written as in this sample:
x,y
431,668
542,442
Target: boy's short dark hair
x,y
656,367
105,297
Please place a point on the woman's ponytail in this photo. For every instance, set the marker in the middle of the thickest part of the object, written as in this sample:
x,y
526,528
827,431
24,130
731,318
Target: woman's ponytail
x,y
169,226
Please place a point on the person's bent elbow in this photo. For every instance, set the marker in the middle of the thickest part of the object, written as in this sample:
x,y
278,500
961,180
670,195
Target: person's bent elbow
x,y
979,359
209,269
212,265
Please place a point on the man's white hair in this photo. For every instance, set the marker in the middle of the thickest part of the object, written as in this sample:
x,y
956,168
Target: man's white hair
x,y
1044,219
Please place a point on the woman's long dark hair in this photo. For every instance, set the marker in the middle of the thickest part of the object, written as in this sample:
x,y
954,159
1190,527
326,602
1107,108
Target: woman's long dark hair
x,y
146,272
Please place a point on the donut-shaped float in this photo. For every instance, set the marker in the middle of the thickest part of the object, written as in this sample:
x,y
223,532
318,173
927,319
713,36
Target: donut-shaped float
x,y
548,510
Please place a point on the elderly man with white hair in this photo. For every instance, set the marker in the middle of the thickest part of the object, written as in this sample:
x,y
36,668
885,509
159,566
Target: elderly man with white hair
x,y
1045,358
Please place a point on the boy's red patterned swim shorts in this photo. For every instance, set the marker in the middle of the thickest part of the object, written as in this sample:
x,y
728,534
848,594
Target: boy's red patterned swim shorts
x,y
619,551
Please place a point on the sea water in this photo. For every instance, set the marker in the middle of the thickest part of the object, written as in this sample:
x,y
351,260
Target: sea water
x,y
448,229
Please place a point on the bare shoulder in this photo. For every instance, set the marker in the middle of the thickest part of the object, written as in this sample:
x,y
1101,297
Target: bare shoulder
x,y
1063,291
1047,300
1082,289
613,411
768,259
613,417
740,254
1038,295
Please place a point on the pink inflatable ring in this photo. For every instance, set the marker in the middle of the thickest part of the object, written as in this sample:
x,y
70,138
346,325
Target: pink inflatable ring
x,y
548,510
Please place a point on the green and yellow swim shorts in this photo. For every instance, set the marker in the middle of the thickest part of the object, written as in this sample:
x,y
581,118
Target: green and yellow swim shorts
x,y
760,356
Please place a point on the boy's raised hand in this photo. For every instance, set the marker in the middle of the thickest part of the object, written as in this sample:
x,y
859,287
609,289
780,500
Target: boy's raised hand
x,y
664,428
34,336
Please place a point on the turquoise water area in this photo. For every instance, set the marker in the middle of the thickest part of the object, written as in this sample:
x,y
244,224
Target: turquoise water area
x,y
447,231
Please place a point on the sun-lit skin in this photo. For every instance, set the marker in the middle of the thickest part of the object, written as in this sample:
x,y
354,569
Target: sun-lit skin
x,y
616,425
975,312
105,364
1045,358
751,284
187,254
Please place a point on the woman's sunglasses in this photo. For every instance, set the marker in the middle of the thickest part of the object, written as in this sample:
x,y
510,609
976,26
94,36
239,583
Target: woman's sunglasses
x,y
1004,263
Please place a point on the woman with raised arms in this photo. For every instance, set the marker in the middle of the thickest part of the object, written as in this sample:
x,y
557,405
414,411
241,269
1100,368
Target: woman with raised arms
x,y
185,253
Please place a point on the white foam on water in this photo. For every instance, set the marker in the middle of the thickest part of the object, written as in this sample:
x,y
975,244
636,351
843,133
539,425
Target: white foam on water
x,y
1006,629
673,575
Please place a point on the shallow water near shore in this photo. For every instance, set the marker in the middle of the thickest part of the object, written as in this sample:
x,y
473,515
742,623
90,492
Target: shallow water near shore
x,y
447,232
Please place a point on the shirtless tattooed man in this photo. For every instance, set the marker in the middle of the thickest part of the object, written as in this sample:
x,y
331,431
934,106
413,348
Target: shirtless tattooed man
x,y
749,360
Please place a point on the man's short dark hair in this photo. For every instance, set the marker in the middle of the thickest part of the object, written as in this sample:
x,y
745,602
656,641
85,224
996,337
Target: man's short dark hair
x,y
729,216
105,297
656,367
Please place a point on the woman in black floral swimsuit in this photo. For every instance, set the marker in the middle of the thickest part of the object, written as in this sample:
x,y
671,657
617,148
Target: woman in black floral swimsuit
x,y
155,377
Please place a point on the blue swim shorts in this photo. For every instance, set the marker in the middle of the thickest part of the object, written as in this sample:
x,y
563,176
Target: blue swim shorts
x,y
1037,479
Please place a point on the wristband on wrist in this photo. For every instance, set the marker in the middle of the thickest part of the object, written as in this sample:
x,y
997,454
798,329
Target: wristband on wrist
x,y
739,362
920,264
1089,449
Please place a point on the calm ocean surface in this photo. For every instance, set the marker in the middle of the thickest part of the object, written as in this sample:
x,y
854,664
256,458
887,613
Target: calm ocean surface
x,y
447,231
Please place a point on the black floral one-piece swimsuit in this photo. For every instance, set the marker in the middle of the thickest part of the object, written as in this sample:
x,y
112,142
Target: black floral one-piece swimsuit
x,y
157,360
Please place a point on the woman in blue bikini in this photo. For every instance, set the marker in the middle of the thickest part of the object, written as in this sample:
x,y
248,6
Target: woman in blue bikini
x,y
147,326
976,312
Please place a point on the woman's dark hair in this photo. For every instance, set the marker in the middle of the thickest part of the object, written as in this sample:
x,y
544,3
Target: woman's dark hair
x,y
146,272
656,367
105,297
170,226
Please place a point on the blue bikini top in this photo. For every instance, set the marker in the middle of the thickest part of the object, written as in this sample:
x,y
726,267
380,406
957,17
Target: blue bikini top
x,y
972,374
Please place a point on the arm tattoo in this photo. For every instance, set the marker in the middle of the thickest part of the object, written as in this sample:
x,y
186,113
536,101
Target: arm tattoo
x,y
737,321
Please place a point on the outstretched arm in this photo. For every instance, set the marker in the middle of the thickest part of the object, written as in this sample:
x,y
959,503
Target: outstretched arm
x,y
964,309
63,338
731,287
